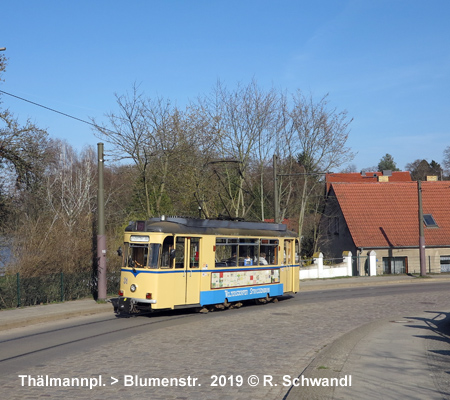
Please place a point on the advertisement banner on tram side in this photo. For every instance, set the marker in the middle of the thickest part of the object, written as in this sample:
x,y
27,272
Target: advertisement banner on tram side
x,y
240,293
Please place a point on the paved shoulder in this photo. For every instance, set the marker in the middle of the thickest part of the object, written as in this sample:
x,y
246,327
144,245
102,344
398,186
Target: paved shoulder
x,y
364,281
397,358
44,313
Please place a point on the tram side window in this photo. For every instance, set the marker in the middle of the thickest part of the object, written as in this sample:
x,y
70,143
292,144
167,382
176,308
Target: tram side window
x,y
262,260
125,254
248,249
287,256
194,253
165,254
226,253
179,252
153,255
269,251
232,252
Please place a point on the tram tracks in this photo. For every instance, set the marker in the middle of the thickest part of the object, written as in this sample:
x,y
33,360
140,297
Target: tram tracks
x,y
23,347
29,349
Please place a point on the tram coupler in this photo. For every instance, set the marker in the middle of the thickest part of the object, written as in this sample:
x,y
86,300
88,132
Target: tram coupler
x,y
124,305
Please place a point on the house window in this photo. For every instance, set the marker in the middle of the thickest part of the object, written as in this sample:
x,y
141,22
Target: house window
x,y
429,221
395,265
445,263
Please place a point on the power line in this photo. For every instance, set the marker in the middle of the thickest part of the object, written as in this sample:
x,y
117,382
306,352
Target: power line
x,y
53,110
58,112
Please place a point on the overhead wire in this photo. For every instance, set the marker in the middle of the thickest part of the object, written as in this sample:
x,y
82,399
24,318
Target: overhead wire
x,y
56,111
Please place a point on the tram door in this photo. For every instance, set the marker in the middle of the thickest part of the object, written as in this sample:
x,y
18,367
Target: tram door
x,y
187,259
288,260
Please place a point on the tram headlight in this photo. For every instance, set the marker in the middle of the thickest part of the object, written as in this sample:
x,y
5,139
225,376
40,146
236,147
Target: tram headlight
x,y
133,287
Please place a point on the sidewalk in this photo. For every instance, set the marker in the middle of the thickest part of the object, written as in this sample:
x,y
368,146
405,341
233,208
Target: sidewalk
x,y
357,281
51,312
405,358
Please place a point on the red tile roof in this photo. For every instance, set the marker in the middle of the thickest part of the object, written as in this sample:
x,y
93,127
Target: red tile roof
x,y
386,214
397,176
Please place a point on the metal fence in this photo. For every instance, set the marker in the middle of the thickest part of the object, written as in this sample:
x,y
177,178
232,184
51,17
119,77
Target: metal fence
x,y
18,291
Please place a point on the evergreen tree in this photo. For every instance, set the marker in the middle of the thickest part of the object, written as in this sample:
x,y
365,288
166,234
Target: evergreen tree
x,y
387,163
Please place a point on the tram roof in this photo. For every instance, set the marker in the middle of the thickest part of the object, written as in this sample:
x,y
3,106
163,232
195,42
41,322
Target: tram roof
x,y
209,226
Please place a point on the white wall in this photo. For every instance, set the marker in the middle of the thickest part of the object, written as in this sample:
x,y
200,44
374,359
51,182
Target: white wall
x,y
318,270
328,272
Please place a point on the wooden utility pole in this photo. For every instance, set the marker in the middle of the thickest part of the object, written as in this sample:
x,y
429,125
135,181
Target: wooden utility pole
x,y
101,237
423,267
275,192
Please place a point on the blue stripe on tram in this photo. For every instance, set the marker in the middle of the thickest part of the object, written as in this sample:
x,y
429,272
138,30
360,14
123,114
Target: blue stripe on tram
x,y
218,296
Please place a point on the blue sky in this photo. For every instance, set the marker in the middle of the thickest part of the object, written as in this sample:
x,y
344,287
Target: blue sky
x,y
387,62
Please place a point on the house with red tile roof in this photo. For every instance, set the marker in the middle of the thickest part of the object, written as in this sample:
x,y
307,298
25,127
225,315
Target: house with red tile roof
x,y
384,217
368,177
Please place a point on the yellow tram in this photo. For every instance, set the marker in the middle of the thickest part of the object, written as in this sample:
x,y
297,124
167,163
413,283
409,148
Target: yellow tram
x,y
173,262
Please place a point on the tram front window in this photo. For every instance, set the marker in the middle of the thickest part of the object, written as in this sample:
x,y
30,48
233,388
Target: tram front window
x,y
142,255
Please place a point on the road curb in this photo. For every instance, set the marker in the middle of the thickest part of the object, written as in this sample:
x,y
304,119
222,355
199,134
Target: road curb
x,y
311,285
55,316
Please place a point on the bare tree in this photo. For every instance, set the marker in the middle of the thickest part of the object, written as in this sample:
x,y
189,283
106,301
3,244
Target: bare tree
x,y
322,135
71,186
22,148
351,168
50,224
144,130
287,149
129,137
179,141
243,122
219,150
163,143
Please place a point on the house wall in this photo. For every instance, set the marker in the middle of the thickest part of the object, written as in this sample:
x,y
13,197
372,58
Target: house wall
x,y
335,235
432,258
